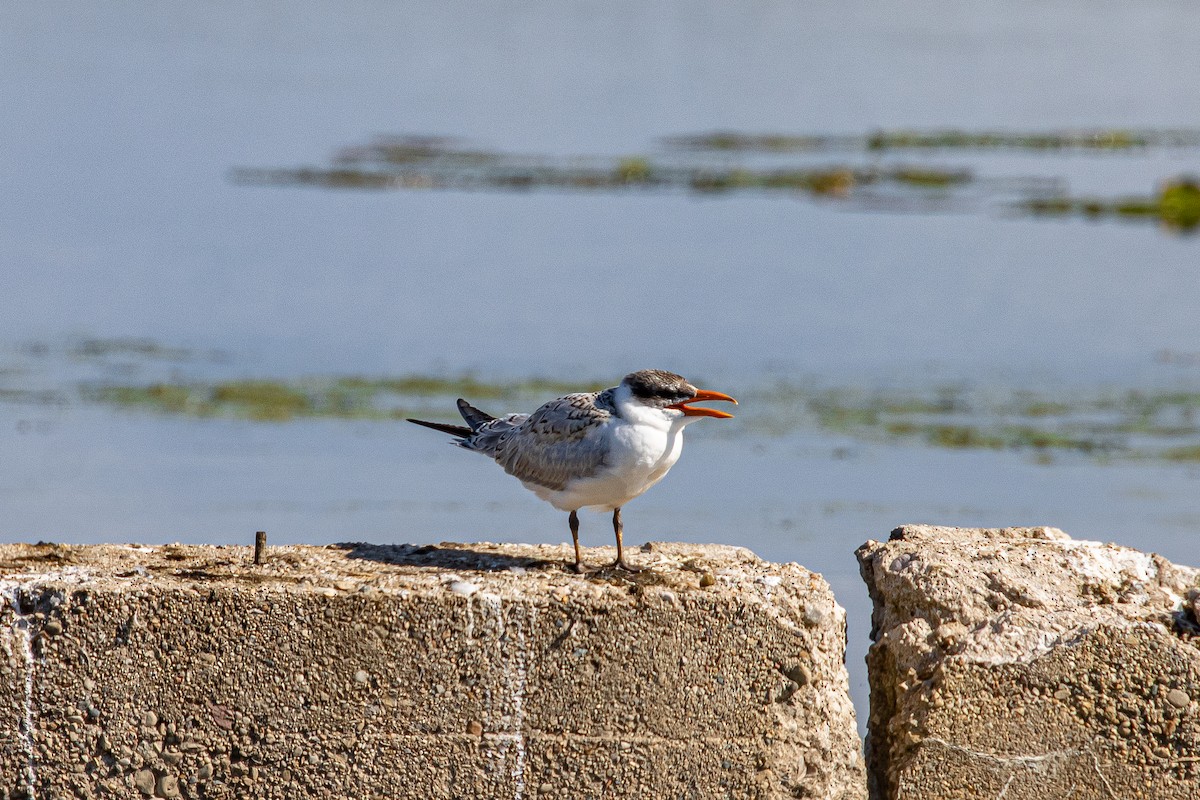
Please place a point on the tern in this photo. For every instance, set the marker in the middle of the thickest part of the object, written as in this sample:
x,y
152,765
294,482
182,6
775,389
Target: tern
x,y
591,449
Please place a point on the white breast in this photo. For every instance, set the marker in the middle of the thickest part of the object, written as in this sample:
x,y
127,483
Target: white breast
x,y
639,453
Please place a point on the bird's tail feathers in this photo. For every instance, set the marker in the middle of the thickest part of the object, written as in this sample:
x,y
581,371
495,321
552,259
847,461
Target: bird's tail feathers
x,y
453,430
474,417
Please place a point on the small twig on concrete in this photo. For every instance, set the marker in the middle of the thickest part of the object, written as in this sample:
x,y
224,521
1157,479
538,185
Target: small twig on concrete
x,y
260,546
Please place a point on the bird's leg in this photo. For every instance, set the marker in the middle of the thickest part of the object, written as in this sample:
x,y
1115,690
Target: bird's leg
x,y
619,529
579,566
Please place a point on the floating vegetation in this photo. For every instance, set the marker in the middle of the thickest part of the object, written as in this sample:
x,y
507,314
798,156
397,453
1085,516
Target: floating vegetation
x,y
633,170
1176,206
1159,424
1113,139
414,150
126,346
342,398
1191,453
256,400
930,178
1131,424
1134,424
1179,204
733,141
727,162
428,163
944,139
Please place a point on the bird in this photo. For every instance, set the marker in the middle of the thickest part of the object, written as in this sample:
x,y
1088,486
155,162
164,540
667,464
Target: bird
x,y
595,450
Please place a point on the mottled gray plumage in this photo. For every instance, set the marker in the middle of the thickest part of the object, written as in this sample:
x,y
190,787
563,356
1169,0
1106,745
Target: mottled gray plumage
x,y
548,447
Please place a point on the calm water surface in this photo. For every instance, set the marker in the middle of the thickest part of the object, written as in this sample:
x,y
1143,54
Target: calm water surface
x,y
121,126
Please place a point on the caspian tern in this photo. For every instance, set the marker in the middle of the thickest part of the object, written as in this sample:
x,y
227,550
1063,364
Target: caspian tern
x,y
592,449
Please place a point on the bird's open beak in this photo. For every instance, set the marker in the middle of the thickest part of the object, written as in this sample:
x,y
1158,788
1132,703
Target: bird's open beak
x,y
704,394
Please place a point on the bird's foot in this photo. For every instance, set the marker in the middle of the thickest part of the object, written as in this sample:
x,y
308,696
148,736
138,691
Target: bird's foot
x,y
621,563
580,568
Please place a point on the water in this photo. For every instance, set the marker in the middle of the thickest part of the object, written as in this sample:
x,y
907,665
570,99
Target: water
x,y
122,125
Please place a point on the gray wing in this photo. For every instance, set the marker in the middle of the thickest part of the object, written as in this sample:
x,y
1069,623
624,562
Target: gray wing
x,y
551,446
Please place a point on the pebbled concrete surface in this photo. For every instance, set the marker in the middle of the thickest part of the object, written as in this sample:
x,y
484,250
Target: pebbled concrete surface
x,y
359,671
1020,663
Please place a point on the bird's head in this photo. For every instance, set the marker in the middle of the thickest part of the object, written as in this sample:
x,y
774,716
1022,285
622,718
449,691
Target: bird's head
x,y
671,395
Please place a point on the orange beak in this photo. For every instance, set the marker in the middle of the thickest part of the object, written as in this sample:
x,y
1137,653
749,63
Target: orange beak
x,y
704,394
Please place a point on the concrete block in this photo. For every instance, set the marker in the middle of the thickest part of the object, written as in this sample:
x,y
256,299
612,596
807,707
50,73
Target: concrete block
x,y
362,671
1020,663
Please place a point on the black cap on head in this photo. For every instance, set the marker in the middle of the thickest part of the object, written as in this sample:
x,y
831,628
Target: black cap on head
x,y
658,386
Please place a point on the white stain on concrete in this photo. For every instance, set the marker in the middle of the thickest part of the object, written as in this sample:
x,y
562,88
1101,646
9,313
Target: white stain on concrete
x,y
18,634
516,678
